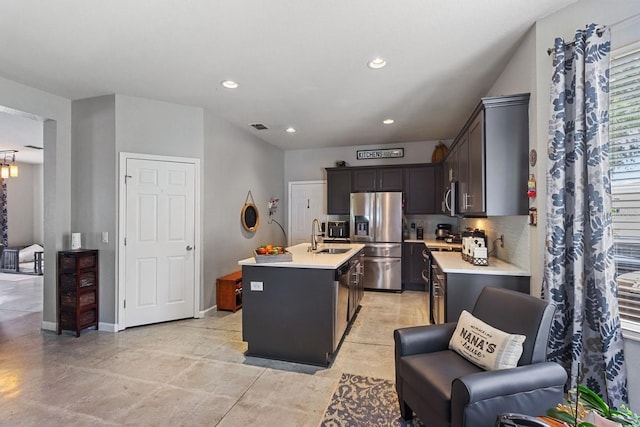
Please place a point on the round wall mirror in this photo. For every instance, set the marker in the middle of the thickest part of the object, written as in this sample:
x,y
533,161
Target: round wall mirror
x,y
250,218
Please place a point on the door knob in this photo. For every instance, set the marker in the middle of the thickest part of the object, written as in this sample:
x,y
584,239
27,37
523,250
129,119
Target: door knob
x,y
189,247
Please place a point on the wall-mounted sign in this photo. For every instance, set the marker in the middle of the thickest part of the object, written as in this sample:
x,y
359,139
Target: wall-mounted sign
x,y
379,154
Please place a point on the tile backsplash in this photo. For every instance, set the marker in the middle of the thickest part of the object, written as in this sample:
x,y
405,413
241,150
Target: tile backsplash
x,y
429,223
515,229
516,237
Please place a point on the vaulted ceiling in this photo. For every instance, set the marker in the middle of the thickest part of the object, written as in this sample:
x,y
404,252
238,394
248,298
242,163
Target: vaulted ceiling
x,y
300,64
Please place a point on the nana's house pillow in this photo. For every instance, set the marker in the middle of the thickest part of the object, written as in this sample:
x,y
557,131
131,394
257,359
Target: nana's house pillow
x,y
484,345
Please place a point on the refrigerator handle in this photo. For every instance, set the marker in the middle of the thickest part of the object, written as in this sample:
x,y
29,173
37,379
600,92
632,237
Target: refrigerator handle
x,y
375,226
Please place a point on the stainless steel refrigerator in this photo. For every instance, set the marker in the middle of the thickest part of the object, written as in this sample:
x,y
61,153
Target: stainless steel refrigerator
x,y
376,221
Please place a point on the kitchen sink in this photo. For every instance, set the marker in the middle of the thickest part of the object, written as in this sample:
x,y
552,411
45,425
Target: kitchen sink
x,y
333,251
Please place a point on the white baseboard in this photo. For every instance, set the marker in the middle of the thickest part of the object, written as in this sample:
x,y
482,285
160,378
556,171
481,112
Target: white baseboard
x,y
102,326
204,312
107,327
49,326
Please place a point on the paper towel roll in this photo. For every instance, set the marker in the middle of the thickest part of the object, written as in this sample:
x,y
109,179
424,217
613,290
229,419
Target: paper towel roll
x,y
76,240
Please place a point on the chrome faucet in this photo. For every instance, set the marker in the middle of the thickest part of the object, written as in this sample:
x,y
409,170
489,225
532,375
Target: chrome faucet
x,y
314,236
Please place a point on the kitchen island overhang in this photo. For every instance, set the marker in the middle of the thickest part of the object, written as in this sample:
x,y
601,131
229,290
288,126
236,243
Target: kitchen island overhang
x,y
297,310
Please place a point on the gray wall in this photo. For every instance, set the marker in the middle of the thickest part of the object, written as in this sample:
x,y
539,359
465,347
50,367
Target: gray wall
x,y
529,70
308,165
102,128
165,129
236,162
24,206
94,181
56,175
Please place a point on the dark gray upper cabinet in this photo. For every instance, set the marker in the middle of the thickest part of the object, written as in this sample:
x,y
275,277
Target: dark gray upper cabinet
x,y
338,191
363,180
376,179
419,182
420,188
390,179
491,154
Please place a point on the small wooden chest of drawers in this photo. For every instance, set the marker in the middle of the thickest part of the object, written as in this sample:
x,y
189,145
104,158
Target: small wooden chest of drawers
x,y
229,292
77,290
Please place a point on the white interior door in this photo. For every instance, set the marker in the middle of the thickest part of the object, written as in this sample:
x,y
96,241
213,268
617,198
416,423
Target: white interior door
x,y
307,200
159,241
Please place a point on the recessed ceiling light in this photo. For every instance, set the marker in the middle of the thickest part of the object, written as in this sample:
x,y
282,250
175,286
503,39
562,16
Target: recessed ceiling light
x,y
229,84
388,121
376,63
291,129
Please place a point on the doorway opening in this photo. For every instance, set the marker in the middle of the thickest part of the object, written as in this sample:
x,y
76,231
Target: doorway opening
x,y
22,224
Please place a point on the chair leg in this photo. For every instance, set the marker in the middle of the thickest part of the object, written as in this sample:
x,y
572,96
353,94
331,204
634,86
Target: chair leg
x,y
405,411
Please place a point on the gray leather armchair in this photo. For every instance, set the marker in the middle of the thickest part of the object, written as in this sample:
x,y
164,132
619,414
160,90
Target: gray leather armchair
x,y
445,389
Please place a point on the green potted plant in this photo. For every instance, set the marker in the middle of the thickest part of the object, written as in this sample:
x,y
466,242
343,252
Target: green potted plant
x,y
585,408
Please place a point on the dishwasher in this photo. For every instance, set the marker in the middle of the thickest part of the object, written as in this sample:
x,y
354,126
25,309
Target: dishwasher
x,y
341,302
438,295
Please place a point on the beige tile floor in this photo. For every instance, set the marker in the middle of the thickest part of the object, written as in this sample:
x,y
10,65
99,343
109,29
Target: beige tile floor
x,y
191,372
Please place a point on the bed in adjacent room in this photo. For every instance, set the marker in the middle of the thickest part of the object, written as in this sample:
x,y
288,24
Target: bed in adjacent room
x,y
23,260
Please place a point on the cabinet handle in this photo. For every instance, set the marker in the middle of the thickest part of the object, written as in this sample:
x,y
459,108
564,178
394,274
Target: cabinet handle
x,y
466,201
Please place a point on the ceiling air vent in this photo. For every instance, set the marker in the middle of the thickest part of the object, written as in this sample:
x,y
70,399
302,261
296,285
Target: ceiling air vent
x,y
258,126
34,147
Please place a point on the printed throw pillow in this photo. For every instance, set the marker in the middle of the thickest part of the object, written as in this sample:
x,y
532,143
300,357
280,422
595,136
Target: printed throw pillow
x,y
484,345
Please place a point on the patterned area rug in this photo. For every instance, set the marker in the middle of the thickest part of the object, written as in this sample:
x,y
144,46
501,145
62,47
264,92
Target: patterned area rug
x,y
365,401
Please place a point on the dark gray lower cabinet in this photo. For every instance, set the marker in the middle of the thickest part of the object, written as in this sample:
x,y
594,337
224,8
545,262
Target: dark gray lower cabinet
x,y
412,266
291,318
459,291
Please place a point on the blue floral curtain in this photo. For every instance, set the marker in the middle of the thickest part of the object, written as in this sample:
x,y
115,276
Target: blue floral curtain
x,y
4,239
579,273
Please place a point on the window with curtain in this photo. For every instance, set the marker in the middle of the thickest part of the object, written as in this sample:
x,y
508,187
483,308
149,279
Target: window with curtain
x,y
624,132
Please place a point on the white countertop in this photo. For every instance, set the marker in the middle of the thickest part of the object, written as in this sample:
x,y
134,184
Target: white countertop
x,y
452,262
435,243
304,259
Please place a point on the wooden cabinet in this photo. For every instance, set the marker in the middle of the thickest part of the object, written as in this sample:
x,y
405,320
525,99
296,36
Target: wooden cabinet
x,y
338,191
368,179
389,179
418,182
413,264
489,158
475,199
420,188
77,290
363,180
229,292
454,292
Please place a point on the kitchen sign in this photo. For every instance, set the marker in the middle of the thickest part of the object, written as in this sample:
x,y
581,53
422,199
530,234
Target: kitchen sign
x,y
379,154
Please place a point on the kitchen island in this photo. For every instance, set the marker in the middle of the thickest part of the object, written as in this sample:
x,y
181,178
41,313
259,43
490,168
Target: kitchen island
x,y
299,310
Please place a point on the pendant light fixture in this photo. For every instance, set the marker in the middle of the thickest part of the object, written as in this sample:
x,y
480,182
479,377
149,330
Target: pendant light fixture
x,y
8,168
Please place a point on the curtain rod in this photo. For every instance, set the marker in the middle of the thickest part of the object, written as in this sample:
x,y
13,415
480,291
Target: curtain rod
x,y
599,32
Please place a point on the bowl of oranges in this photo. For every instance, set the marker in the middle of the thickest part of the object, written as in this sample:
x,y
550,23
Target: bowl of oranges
x,y
272,253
